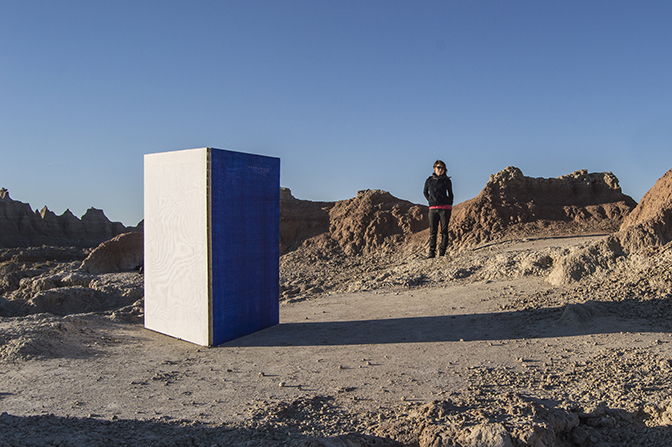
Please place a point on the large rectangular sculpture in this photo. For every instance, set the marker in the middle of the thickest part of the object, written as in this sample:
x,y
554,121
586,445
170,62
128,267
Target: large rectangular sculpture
x,y
211,244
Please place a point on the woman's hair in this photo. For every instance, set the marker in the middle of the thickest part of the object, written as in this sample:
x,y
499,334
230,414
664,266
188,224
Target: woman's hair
x,y
439,163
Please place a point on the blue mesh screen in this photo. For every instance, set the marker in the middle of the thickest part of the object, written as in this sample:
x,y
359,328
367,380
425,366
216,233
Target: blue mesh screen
x,y
245,204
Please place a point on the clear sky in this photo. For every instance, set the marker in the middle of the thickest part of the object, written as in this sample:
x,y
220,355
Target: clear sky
x,y
350,95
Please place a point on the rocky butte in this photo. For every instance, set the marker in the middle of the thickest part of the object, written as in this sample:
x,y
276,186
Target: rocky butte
x,y
513,205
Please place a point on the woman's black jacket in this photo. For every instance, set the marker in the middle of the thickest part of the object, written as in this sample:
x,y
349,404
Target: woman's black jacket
x,y
438,190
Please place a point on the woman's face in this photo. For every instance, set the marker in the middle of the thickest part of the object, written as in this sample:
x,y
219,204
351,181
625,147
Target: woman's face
x,y
438,170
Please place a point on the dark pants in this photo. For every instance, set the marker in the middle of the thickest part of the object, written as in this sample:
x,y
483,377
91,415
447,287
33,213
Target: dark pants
x,y
436,216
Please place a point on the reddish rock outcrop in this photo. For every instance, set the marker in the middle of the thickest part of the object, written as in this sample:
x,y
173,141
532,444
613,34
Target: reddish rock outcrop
x,y
301,220
650,223
372,220
513,205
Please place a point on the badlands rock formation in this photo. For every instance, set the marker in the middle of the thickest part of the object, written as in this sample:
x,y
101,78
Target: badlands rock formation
x,y
513,205
300,220
358,244
20,226
510,205
371,221
650,222
647,228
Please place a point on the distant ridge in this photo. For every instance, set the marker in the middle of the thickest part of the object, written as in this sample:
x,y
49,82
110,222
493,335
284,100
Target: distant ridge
x,y
20,226
510,206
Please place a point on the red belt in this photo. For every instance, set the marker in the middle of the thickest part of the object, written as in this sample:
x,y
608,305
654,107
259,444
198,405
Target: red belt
x,y
441,207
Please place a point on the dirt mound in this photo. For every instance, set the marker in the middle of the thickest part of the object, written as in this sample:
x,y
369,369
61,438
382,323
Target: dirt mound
x,y
372,220
43,254
650,223
530,386
69,292
655,205
301,220
121,253
513,205
644,231
43,337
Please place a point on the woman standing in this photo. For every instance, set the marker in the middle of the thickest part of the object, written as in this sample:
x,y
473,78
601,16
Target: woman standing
x,y
438,191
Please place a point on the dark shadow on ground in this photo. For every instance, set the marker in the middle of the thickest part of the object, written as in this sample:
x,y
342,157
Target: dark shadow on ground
x,y
587,318
50,430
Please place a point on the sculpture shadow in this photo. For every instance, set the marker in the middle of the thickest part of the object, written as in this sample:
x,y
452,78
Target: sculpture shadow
x,y
591,317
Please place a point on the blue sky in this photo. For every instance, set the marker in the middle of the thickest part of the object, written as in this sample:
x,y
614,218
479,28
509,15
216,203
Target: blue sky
x,y
350,95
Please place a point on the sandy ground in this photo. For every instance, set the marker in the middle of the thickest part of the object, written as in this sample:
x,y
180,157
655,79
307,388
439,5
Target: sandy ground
x,y
363,366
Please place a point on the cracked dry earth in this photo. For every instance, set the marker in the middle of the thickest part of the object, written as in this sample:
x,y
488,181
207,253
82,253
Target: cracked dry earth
x,y
475,349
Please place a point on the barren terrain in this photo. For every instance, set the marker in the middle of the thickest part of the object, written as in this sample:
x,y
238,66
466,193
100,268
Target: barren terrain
x,y
519,337
500,352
